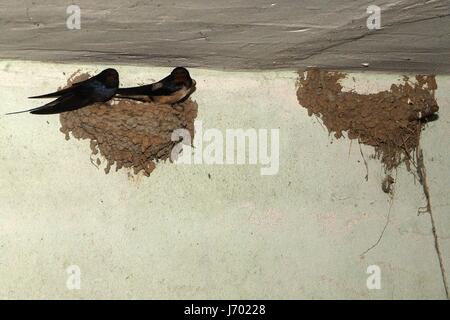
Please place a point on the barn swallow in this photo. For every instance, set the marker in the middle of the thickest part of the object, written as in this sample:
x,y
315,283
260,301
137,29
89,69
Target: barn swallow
x,y
174,88
99,88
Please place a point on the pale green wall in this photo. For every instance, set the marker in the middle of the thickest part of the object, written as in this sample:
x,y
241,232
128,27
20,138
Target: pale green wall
x,y
179,234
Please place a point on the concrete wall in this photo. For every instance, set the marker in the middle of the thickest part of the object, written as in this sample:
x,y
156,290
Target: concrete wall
x,y
237,34
215,231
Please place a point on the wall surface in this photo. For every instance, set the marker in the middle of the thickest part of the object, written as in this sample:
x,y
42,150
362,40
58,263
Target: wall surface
x,y
215,231
236,34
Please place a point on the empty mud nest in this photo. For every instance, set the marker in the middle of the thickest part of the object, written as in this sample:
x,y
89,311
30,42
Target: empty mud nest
x,y
128,133
391,121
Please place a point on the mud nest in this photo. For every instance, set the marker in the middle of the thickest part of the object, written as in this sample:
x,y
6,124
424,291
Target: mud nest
x,y
391,121
130,134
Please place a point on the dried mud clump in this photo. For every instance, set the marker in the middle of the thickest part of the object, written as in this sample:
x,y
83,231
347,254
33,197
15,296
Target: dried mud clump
x,y
390,121
128,133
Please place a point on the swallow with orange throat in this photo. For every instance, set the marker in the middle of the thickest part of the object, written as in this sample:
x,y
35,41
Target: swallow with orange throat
x,y
176,87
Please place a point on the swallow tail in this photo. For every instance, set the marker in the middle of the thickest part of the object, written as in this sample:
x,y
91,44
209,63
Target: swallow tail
x,y
17,112
34,110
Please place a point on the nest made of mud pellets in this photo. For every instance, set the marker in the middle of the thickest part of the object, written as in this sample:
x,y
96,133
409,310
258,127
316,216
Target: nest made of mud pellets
x,y
391,120
128,133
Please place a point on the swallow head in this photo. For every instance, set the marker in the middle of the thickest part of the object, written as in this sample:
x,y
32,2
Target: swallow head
x,y
110,77
182,77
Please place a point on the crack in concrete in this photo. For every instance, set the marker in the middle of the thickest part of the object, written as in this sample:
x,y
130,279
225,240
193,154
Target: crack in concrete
x,y
366,34
418,20
388,219
334,45
423,180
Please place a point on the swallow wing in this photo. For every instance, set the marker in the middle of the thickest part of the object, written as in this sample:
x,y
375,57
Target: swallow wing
x,y
68,102
163,88
135,91
83,95
63,104
154,89
63,91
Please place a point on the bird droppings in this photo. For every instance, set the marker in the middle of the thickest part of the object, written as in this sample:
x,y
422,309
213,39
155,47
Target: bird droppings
x,y
127,133
391,121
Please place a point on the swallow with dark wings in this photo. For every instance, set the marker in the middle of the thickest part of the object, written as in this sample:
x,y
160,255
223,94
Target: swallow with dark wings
x,y
174,88
99,88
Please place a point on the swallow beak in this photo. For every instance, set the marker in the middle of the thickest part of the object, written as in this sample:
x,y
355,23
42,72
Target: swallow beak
x,y
193,87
